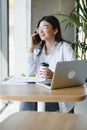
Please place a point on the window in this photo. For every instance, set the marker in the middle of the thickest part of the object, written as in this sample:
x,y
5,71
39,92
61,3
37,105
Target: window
x,y
19,31
11,38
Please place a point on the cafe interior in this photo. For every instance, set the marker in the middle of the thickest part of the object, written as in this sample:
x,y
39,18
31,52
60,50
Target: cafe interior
x,y
18,21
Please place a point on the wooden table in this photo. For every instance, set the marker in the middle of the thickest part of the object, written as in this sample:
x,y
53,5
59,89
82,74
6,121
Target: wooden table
x,y
44,121
36,93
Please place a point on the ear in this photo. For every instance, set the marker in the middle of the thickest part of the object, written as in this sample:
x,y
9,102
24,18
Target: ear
x,y
55,31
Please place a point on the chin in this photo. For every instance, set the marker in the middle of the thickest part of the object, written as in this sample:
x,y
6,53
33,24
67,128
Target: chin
x,y
43,38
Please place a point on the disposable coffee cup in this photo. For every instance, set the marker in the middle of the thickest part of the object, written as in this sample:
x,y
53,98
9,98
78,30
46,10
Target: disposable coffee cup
x,y
43,67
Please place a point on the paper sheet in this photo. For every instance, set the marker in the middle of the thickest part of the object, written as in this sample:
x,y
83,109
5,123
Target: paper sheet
x,y
20,80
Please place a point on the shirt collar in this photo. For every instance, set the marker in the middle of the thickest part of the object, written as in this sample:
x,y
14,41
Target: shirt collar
x,y
55,46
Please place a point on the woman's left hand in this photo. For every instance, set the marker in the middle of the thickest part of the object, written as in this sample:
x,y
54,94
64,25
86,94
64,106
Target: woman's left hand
x,y
49,73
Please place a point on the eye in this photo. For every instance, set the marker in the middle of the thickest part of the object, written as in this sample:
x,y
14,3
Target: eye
x,y
44,28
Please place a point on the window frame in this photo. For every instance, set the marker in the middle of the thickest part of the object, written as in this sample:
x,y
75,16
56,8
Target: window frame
x,y
4,38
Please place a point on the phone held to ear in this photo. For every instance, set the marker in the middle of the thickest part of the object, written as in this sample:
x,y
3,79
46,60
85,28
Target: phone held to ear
x,y
37,39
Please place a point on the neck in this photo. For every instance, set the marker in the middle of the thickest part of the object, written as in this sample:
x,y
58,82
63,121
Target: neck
x,y
49,46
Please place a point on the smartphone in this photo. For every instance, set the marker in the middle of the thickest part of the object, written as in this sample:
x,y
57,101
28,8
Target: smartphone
x,y
37,39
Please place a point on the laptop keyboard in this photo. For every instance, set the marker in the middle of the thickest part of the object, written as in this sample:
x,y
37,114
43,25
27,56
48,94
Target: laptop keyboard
x,y
46,82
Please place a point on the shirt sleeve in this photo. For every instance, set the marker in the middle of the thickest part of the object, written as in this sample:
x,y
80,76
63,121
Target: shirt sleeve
x,y
30,64
68,53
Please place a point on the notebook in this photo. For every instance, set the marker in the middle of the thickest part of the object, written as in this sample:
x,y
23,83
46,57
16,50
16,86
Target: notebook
x,y
67,74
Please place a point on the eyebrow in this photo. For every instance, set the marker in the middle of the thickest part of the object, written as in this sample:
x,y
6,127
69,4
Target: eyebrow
x,y
43,25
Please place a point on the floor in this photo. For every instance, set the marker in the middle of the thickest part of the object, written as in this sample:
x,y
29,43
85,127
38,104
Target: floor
x,y
7,110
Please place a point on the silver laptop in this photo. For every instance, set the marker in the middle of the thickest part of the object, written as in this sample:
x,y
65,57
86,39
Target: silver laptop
x,y
67,74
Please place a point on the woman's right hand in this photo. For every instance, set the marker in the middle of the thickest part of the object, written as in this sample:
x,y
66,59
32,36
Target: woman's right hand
x,y
32,45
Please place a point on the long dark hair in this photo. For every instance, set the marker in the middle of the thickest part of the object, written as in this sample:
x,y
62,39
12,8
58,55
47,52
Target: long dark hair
x,y
55,25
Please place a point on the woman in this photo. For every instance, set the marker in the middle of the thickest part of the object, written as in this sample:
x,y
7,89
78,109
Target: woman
x,y
51,49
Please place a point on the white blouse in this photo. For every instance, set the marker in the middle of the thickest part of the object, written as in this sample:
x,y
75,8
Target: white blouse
x,y
60,52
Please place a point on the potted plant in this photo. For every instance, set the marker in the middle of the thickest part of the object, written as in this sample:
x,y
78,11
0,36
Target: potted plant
x,y
78,17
